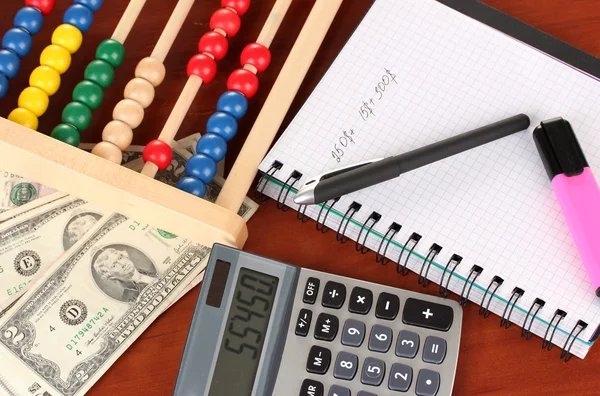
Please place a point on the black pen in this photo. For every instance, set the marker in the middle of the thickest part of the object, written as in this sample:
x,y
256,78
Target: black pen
x,y
369,173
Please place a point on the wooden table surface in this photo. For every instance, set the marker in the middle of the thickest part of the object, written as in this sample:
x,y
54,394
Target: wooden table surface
x,y
492,361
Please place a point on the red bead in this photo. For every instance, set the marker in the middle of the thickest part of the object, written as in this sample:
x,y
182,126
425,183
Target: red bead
x,y
256,55
215,44
244,81
226,20
240,6
203,66
159,153
45,6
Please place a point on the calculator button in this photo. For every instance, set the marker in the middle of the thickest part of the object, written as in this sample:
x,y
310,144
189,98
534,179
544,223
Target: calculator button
x,y
400,377
353,333
363,393
407,344
345,367
360,301
434,350
337,390
388,306
311,290
334,295
326,327
380,339
373,372
319,359
311,388
427,314
428,383
303,322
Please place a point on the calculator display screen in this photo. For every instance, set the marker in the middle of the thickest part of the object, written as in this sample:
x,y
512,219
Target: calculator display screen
x,y
244,334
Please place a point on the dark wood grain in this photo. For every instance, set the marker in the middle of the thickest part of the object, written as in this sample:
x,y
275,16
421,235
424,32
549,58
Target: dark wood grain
x,y
492,361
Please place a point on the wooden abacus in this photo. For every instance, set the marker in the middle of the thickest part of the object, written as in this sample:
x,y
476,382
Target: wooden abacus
x,y
48,160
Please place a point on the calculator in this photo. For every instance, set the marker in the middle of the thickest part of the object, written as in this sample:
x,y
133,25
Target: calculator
x,y
266,328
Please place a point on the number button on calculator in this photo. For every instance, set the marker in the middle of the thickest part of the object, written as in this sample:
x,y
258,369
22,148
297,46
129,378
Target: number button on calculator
x,y
407,345
337,390
334,295
354,333
380,339
400,377
360,301
373,372
346,366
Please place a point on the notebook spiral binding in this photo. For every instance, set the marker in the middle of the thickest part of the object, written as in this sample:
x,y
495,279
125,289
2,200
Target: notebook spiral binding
x,y
434,250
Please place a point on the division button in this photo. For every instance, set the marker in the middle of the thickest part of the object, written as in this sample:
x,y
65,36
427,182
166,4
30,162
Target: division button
x,y
334,295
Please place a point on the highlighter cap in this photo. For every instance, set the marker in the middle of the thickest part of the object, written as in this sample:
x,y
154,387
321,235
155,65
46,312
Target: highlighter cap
x,y
558,146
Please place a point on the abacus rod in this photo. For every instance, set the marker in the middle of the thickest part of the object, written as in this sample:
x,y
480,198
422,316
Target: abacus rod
x,y
269,29
169,34
183,104
130,16
278,103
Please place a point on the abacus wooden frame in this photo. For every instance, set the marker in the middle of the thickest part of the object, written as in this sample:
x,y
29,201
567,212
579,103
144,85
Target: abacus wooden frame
x,y
42,159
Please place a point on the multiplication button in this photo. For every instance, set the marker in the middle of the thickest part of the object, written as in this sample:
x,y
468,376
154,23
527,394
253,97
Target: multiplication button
x,y
311,290
360,301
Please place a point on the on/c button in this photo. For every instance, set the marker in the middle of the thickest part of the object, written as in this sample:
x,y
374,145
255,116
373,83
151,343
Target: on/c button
x,y
311,290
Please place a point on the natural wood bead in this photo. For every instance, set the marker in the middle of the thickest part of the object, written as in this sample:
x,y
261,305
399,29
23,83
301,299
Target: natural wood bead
x,y
130,112
151,69
118,133
141,91
109,152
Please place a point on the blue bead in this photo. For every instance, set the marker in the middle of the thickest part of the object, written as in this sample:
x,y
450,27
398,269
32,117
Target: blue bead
x,y
192,186
222,124
234,103
9,63
30,19
3,85
212,145
93,5
17,40
79,16
201,167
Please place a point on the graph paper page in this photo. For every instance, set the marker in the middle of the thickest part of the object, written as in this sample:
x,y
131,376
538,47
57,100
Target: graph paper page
x,y
493,205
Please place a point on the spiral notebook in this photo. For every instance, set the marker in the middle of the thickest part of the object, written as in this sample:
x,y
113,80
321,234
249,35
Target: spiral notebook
x,y
483,224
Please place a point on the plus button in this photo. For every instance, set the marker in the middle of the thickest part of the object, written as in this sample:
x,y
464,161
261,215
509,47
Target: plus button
x,y
427,313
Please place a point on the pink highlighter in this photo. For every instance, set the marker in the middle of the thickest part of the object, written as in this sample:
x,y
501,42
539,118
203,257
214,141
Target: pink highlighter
x,y
576,189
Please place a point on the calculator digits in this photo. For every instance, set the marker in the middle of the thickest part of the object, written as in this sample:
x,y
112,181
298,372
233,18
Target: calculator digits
x,y
263,328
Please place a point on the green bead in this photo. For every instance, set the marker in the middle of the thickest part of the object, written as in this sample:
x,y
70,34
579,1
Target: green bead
x,y
111,51
88,93
66,134
78,115
100,72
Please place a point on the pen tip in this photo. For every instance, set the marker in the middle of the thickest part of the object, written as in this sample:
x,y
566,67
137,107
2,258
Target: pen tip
x,y
305,196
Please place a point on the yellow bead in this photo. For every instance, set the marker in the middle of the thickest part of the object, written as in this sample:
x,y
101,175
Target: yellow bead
x,y
45,78
68,37
34,100
56,57
24,117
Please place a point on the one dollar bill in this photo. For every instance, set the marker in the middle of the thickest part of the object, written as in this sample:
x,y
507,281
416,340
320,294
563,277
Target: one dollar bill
x,y
92,304
16,191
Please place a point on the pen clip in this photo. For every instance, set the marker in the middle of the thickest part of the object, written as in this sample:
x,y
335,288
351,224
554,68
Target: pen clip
x,y
339,171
